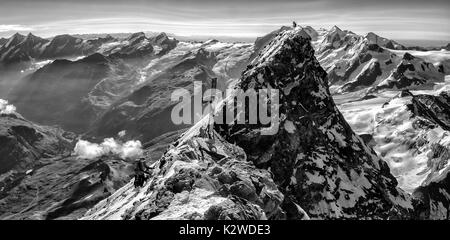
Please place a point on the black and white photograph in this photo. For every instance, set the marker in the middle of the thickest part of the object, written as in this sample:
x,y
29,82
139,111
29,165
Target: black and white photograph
x,y
224,110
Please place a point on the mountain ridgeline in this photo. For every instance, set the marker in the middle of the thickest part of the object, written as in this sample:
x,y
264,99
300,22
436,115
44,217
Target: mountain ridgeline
x,y
314,167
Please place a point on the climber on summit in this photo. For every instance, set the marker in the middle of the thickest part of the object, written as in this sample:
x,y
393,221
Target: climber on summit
x,y
141,173
294,24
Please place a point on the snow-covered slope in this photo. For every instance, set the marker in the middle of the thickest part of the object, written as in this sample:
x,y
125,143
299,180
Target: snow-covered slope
x,y
410,131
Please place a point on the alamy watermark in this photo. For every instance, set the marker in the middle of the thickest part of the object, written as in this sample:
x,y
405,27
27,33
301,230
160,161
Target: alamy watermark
x,y
235,106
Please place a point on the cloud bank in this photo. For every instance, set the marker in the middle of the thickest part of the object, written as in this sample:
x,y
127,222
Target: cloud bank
x,y
6,108
128,150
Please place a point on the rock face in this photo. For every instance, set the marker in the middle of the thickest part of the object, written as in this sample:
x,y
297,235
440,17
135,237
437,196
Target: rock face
x,y
313,167
3,41
434,108
434,191
434,195
21,48
23,142
164,43
412,73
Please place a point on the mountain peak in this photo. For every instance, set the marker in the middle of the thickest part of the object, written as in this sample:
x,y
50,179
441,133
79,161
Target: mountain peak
x,y
136,35
17,35
2,41
14,40
63,37
335,29
162,35
108,36
159,38
33,38
276,46
371,34
408,56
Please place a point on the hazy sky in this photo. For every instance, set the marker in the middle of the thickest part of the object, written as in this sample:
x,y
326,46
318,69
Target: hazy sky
x,y
397,19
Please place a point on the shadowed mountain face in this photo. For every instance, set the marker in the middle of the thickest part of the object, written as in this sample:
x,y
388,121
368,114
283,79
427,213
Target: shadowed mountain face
x,y
57,94
20,48
23,145
23,142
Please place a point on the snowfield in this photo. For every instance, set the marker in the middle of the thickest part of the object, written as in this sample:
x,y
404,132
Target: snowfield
x,y
391,125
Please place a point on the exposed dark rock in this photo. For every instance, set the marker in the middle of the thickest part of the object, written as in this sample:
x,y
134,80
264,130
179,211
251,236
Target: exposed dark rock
x,y
434,198
408,56
365,78
299,161
434,108
375,48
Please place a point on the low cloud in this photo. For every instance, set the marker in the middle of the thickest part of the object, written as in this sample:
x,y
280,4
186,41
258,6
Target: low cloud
x,y
14,28
6,108
109,146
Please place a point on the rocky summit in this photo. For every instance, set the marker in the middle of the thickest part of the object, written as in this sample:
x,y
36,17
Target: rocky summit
x,y
314,167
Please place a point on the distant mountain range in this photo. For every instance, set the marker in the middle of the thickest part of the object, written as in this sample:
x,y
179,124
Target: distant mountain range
x,y
319,165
